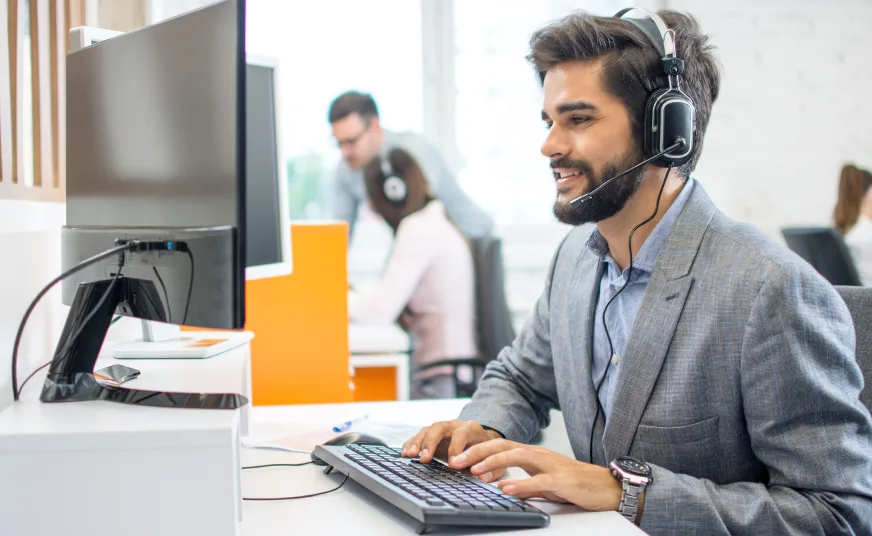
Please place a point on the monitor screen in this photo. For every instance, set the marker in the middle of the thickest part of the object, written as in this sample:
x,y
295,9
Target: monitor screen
x,y
263,212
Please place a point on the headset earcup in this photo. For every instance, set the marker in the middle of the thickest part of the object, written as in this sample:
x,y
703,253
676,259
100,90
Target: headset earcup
x,y
395,189
669,114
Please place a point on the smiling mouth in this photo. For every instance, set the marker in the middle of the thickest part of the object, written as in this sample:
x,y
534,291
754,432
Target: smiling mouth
x,y
565,176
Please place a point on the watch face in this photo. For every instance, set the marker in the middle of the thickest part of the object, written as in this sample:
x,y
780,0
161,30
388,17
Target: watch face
x,y
633,466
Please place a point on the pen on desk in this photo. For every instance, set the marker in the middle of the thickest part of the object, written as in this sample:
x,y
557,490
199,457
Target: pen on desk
x,y
348,424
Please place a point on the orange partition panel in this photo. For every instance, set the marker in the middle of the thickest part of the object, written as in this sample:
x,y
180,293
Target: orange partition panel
x,y
375,384
299,354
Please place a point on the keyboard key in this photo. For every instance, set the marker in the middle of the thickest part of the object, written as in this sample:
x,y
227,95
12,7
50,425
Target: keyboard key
x,y
435,502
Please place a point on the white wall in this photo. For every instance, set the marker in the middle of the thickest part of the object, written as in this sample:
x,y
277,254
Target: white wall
x,y
794,105
30,242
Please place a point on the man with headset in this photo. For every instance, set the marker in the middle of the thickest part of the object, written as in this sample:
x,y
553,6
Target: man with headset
x,y
354,120
705,373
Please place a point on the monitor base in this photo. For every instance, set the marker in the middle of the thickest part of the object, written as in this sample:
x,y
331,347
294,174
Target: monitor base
x,y
71,374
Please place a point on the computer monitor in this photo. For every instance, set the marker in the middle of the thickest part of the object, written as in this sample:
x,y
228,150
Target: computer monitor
x,y
156,166
268,241
267,225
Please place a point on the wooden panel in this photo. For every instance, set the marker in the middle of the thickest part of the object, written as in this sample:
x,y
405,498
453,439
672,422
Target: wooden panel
x,y
57,51
41,90
15,35
6,150
48,28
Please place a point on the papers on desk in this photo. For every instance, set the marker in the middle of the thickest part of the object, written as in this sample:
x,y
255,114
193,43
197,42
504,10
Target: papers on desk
x,y
305,439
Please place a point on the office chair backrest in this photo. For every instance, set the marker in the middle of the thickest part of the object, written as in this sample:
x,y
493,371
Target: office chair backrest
x,y
495,330
825,249
859,301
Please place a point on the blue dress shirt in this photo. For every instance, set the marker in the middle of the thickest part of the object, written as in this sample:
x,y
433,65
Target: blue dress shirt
x,y
622,311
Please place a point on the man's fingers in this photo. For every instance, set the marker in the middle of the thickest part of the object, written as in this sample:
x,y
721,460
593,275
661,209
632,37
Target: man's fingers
x,y
431,441
490,476
512,456
534,486
477,453
459,440
413,446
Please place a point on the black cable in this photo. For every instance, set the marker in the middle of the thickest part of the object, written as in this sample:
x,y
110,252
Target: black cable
x,y
84,264
278,465
606,308
344,480
32,374
190,286
166,295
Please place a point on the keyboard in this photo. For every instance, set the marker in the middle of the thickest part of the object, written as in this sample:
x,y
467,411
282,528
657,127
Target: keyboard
x,y
432,493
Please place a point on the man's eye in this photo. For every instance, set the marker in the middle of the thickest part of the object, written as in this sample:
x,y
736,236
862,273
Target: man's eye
x,y
578,119
548,125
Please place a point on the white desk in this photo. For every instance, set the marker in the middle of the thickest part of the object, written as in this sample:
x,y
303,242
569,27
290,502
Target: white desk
x,y
108,465
381,345
353,509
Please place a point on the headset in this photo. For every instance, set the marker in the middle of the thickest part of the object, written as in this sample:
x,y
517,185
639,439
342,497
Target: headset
x,y
394,186
670,116
670,123
669,113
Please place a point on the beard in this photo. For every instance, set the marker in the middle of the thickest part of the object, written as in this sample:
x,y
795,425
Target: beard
x,y
608,201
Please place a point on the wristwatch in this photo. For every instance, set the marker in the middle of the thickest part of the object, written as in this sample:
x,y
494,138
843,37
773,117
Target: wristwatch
x,y
634,476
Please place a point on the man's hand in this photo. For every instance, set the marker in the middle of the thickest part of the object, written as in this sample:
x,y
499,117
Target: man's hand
x,y
446,439
553,477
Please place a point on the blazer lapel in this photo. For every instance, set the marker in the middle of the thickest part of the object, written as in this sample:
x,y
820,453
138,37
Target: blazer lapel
x,y
586,283
655,323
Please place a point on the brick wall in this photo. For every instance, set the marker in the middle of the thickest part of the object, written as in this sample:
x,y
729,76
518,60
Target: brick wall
x,y
794,105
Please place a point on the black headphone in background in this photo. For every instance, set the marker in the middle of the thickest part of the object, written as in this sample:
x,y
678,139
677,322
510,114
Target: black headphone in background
x,y
669,112
394,186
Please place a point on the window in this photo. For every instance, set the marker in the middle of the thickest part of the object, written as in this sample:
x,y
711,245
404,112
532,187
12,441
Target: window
x,y
498,126
325,48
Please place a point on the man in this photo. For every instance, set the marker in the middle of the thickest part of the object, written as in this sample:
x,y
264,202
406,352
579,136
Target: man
x,y
726,368
354,119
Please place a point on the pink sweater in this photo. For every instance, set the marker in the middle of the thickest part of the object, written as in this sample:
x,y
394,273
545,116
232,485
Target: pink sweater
x,y
430,269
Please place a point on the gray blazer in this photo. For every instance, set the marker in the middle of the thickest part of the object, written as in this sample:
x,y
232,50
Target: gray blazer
x,y
738,384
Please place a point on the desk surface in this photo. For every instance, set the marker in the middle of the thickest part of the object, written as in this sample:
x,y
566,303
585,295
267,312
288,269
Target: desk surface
x,y
377,339
353,509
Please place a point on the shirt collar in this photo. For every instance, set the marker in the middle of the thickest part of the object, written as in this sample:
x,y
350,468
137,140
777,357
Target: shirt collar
x,y
647,257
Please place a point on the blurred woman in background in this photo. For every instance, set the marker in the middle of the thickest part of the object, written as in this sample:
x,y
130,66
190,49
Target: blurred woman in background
x,y
428,284
853,217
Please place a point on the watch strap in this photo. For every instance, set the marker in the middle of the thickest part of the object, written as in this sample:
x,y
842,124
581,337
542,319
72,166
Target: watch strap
x,y
631,497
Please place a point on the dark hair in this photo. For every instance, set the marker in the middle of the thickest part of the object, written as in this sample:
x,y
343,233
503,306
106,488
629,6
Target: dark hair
x,y
352,102
417,191
631,65
854,183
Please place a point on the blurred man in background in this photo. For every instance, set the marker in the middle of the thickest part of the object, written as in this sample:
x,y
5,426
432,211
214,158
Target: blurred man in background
x,y
355,122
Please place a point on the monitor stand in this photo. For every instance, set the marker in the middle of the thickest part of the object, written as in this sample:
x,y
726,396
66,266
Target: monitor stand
x,y
71,375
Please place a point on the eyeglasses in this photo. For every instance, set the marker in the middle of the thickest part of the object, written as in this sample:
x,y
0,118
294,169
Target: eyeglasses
x,y
352,140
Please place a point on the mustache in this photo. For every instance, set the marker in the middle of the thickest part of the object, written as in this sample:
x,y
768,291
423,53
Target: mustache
x,y
581,165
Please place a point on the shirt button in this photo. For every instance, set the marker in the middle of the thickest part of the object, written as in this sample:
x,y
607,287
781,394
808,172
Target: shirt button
x,y
614,359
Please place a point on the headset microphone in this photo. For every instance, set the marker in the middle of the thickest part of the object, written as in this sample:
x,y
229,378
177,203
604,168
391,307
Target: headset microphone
x,y
582,199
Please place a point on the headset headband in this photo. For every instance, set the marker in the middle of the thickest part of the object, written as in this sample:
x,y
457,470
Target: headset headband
x,y
660,35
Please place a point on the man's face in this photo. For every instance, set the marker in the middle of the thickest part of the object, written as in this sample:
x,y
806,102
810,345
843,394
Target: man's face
x,y
589,141
356,139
